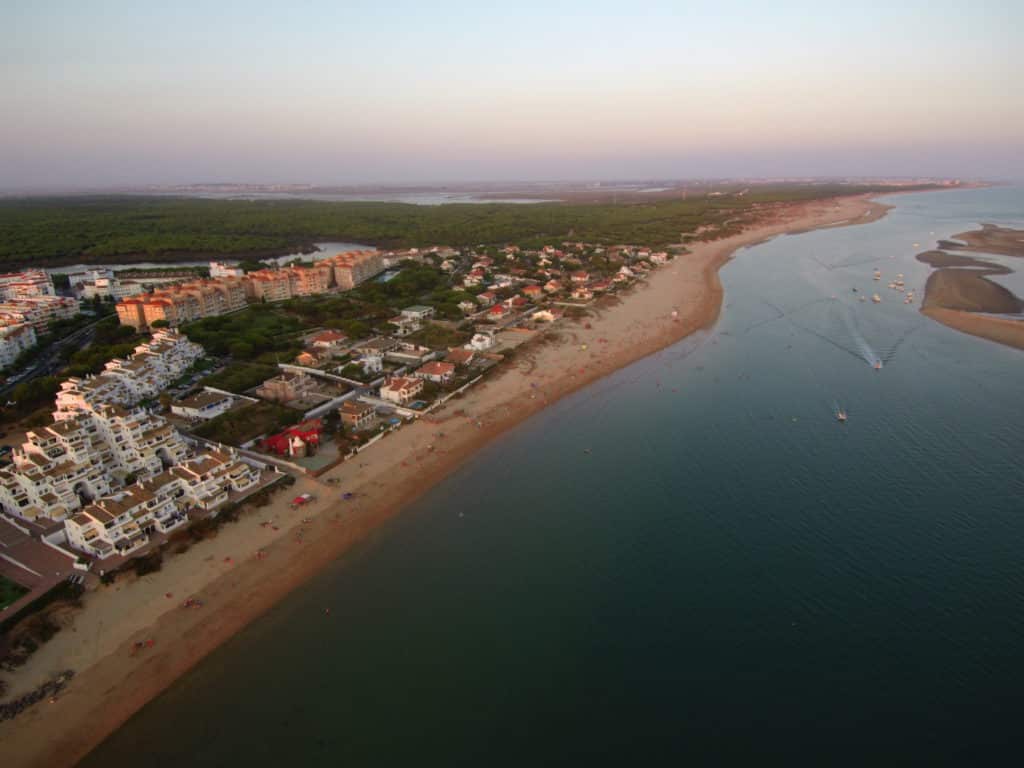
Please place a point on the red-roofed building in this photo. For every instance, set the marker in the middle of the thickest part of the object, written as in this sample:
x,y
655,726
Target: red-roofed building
x,y
330,340
437,372
497,312
301,440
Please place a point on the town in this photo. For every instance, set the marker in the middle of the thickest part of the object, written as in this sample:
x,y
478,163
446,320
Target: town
x,y
241,382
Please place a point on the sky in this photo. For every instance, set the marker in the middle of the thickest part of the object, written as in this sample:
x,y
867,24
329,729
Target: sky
x,y
108,92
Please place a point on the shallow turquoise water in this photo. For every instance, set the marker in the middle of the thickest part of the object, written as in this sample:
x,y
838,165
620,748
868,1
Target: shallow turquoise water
x,y
729,576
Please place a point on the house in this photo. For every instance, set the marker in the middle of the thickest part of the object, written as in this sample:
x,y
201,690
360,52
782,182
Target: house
x,y
331,340
582,294
580,277
533,291
287,386
311,358
371,364
460,356
601,286
516,302
481,342
357,416
659,258
548,315
418,312
405,326
552,286
497,312
377,346
467,307
204,406
437,372
401,390
487,298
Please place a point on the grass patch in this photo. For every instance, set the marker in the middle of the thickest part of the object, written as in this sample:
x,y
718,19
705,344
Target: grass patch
x,y
240,425
10,592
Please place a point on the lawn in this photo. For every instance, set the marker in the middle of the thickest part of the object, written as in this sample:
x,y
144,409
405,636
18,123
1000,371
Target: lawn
x,y
9,592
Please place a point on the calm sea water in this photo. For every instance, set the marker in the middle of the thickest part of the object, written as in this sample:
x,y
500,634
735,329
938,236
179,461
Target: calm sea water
x,y
729,576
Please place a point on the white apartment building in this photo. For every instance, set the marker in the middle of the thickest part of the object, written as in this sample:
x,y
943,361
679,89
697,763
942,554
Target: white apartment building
x,y
15,339
75,469
108,288
38,311
31,282
225,270
122,523
145,373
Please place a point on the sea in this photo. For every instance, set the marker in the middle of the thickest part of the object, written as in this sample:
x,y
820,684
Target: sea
x,y
690,561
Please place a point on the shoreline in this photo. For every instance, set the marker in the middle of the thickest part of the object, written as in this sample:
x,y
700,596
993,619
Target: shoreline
x,y
237,588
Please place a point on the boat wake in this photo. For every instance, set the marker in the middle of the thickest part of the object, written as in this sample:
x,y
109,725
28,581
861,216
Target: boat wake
x,y
875,340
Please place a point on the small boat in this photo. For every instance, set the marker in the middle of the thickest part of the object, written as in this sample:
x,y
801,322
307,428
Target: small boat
x,y
877,299
840,415
878,274
878,365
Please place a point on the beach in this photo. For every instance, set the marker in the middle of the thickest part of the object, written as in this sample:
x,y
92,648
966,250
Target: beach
x,y
236,586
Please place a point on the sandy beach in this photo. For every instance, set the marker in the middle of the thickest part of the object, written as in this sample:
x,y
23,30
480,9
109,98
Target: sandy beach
x,y
237,587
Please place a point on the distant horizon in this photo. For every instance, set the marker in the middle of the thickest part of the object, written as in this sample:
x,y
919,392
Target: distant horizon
x,y
481,185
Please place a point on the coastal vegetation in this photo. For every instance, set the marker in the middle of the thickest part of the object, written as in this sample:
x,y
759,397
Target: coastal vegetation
x,y
123,228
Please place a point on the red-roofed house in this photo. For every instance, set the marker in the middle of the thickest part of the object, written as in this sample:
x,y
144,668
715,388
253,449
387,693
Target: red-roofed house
x,y
401,389
497,312
330,340
437,372
460,356
580,277
487,298
533,291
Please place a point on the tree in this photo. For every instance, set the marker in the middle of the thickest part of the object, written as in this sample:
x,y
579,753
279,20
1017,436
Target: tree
x,y
159,324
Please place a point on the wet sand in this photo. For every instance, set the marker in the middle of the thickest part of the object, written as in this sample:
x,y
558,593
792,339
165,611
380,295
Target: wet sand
x,y
958,294
237,586
992,239
1001,330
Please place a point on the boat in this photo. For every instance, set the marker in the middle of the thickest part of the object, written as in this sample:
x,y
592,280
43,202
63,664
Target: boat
x,y
840,415
878,274
878,365
876,298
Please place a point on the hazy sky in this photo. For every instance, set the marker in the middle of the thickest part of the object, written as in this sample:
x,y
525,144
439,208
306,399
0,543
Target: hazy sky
x,y
101,92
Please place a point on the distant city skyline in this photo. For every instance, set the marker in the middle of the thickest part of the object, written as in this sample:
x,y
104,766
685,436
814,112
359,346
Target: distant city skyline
x,y
110,93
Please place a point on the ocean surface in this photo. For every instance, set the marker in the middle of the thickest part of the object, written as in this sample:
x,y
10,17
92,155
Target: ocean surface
x,y
729,576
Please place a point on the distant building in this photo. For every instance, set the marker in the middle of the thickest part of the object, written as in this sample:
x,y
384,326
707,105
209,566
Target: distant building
x,y
31,282
351,269
38,311
217,269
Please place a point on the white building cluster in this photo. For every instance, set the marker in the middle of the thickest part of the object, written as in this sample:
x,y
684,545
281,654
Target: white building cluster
x,y
75,469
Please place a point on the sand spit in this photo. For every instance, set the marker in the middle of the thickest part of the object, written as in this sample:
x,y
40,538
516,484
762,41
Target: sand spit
x,y
993,239
249,566
959,295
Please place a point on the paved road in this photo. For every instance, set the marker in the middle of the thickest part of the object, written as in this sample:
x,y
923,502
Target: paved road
x,y
49,361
